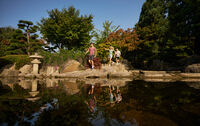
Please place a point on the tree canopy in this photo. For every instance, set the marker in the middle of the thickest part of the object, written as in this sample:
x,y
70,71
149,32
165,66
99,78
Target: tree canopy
x,y
20,41
6,34
32,43
66,28
168,30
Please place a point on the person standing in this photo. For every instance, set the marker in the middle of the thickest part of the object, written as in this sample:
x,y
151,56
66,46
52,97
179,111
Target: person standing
x,y
93,52
117,55
110,55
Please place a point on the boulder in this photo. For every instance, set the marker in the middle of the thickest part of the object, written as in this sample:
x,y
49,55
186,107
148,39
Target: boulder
x,y
26,69
194,68
13,67
9,73
115,68
52,70
71,66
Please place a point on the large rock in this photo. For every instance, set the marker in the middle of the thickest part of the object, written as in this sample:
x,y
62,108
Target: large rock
x,y
26,69
106,71
52,70
194,68
71,66
115,68
9,73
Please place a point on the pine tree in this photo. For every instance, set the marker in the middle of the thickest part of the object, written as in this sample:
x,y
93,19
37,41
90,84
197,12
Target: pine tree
x,y
152,28
29,29
184,26
17,44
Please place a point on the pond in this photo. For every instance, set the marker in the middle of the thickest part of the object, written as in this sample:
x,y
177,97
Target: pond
x,y
109,102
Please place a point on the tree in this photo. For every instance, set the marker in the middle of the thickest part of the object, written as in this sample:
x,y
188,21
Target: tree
x,y
66,29
126,40
184,27
29,28
17,44
5,38
152,28
100,36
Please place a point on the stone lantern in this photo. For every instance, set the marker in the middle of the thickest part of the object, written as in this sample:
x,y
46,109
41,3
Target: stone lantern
x,y
35,62
34,91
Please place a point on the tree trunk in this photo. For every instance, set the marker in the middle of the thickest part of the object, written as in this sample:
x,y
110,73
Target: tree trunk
x,y
28,50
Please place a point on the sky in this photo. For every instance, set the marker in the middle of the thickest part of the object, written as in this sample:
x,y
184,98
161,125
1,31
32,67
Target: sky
x,y
124,13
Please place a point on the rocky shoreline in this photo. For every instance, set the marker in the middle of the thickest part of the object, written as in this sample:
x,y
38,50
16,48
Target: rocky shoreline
x,y
115,71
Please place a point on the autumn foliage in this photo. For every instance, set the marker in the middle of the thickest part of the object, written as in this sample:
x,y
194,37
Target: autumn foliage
x,y
97,63
124,40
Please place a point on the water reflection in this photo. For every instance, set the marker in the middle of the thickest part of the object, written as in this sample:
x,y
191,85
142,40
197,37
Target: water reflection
x,y
98,102
91,100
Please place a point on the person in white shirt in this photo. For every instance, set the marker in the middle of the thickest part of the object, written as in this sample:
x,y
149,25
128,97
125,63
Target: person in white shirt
x,y
117,55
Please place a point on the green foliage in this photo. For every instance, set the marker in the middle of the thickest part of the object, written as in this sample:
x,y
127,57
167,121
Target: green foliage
x,y
100,36
20,60
17,44
6,34
167,30
66,28
59,58
15,41
32,43
27,26
152,28
184,26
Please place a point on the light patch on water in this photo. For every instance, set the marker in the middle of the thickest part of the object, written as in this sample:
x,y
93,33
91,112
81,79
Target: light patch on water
x,y
34,117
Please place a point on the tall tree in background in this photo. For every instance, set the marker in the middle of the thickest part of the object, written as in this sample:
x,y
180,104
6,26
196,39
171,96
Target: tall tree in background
x,y
184,27
6,34
66,28
152,28
29,28
101,36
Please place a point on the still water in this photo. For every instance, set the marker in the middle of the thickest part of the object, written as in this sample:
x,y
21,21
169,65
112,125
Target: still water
x,y
98,102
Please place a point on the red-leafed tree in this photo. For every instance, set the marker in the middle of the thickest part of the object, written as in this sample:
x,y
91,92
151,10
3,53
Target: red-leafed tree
x,y
125,40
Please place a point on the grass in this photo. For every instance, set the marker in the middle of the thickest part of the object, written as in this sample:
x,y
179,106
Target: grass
x,y
20,60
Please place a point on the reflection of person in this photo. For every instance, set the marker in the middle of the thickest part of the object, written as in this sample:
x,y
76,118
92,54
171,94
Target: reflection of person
x,y
112,102
110,55
117,55
118,97
92,99
93,52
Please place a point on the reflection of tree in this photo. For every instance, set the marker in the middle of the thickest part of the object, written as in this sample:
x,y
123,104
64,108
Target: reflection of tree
x,y
13,105
145,103
166,99
72,111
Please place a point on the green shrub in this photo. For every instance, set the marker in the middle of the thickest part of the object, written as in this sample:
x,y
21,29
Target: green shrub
x,y
59,58
20,60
